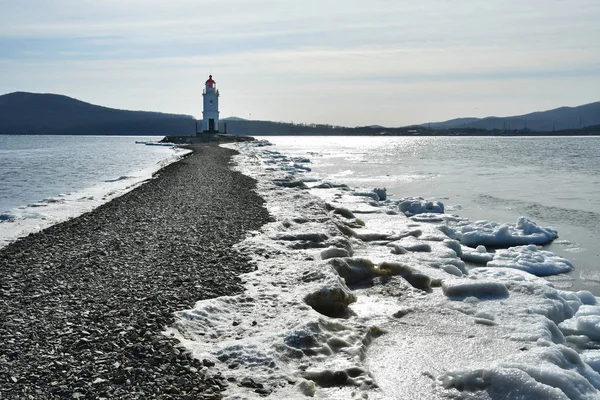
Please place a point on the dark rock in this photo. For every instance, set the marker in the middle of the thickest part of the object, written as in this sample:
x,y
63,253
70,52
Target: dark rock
x,y
208,363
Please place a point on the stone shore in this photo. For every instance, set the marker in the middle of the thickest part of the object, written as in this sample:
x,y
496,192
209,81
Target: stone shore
x,y
83,303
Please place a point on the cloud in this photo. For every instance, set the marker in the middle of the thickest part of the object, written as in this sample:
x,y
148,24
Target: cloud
x,y
280,58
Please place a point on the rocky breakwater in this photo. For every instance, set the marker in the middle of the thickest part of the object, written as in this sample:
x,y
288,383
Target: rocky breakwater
x,y
207,138
84,304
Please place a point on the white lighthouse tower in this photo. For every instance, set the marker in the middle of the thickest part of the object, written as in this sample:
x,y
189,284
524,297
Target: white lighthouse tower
x,y
210,113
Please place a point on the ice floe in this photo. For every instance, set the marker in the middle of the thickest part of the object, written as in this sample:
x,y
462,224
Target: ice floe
x,y
479,255
493,234
479,289
418,205
531,259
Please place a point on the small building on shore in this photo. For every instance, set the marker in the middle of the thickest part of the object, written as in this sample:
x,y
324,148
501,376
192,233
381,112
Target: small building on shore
x,y
210,112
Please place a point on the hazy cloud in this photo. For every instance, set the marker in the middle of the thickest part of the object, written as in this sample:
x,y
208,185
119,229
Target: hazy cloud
x,y
342,62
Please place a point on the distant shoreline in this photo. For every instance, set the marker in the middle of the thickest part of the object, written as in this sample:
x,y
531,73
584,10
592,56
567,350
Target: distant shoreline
x,y
530,134
235,137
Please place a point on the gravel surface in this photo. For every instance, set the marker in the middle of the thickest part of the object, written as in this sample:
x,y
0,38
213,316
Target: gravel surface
x,y
83,303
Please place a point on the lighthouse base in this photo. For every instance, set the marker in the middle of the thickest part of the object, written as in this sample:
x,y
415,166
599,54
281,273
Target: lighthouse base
x,y
213,130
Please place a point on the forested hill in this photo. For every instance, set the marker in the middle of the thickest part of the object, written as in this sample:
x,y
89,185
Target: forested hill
x,y
52,114
563,118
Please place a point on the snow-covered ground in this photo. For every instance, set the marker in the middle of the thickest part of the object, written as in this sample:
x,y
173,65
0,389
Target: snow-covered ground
x,y
357,295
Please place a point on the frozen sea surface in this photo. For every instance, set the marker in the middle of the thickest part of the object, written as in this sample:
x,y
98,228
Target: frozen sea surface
x,y
356,295
47,179
554,181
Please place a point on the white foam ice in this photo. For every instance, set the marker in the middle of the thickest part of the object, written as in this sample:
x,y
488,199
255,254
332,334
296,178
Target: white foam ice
x,y
418,205
351,299
23,220
531,259
479,255
592,358
493,234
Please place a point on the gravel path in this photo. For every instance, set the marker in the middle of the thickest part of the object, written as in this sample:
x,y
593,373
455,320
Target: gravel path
x,y
83,303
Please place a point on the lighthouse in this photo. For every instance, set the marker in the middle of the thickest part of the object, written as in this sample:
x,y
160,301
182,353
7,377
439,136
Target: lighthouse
x,y
210,113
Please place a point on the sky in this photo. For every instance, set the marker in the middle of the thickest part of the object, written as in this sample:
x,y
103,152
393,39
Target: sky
x,y
341,62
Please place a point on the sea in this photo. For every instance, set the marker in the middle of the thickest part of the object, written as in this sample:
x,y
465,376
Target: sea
x,y
352,298
48,179
554,181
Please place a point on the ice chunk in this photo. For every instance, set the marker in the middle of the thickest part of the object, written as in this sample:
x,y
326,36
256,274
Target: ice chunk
x,y
530,259
418,205
342,243
262,143
586,297
477,256
589,325
302,236
592,358
415,278
353,270
586,321
344,212
397,249
489,233
372,236
454,245
290,183
451,269
307,388
427,217
301,159
557,373
412,244
330,185
371,195
320,337
301,167
332,252
381,192
510,276
446,230
331,298
474,288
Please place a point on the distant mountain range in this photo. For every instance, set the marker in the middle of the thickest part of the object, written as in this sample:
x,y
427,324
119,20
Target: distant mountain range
x,y
52,114
563,118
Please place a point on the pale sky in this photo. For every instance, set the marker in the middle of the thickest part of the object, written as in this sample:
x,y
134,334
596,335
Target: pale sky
x,y
346,62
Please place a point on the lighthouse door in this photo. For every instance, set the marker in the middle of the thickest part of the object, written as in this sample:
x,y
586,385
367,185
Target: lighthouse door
x,y
211,125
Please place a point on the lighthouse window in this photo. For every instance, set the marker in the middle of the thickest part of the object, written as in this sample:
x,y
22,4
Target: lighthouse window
x,y
211,102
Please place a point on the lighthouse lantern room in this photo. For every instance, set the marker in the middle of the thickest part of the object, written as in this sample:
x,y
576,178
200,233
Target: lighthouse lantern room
x,y
210,113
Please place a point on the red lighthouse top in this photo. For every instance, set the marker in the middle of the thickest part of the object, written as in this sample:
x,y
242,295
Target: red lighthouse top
x,y
210,83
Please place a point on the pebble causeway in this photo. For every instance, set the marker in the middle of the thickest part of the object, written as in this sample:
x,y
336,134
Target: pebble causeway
x,y
84,303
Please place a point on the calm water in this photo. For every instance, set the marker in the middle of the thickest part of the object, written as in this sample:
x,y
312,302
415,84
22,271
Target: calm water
x,y
46,179
554,181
